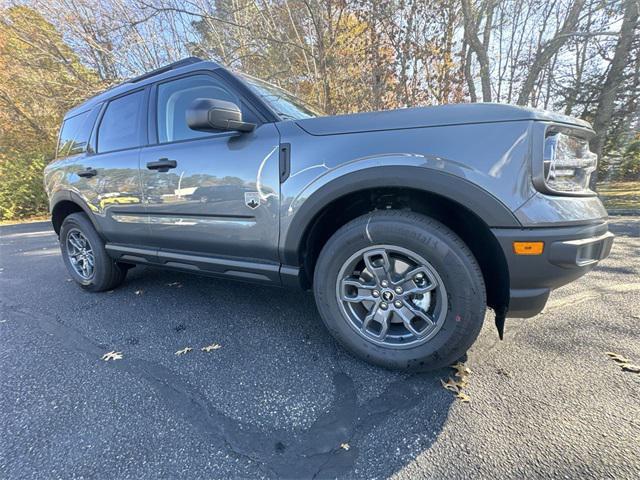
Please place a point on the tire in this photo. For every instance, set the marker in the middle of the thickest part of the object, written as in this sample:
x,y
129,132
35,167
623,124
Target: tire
x,y
455,306
106,274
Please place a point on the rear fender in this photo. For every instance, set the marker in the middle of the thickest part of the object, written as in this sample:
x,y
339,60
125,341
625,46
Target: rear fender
x,y
68,196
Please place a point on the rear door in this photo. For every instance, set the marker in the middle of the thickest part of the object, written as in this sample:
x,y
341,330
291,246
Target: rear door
x,y
221,198
109,177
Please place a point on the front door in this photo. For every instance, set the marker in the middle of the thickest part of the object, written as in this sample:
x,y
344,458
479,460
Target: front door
x,y
212,194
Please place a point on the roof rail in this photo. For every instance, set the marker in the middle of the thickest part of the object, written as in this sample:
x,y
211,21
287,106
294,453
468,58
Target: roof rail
x,y
172,66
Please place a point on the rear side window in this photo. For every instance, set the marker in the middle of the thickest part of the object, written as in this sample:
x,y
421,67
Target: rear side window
x,y
75,133
120,125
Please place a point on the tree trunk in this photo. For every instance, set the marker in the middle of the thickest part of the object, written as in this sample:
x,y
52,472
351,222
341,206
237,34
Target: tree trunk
x,y
471,37
614,78
466,58
546,53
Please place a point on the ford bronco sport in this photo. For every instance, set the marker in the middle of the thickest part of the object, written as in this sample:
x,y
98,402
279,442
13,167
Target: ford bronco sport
x,y
406,224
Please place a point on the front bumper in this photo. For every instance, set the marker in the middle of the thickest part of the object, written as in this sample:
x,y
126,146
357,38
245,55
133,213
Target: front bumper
x,y
569,253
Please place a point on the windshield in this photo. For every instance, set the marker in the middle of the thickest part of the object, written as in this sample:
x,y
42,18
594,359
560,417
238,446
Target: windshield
x,y
283,103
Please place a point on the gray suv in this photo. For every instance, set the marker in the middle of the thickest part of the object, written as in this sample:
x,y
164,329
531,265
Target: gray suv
x,y
406,224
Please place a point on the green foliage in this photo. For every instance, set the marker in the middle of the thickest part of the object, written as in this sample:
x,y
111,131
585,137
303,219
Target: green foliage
x,y
630,165
40,79
21,189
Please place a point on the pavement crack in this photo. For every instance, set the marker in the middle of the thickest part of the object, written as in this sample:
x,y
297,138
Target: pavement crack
x,y
314,451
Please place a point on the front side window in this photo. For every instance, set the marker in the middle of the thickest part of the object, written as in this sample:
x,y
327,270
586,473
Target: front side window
x,y
175,98
120,125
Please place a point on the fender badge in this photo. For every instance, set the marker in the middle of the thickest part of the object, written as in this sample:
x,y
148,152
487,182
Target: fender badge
x,y
252,200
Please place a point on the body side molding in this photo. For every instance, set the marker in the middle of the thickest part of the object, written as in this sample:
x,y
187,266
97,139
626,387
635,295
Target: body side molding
x,y
209,265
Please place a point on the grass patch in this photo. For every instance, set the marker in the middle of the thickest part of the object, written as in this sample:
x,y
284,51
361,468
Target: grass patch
x,y
17,221
620,195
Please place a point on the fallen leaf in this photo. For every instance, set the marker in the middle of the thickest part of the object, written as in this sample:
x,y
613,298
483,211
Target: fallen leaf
x,y
461,369
630,368
462,383
451,385
112,356
184,351
139,292
617,358
345,446
463,397
209,348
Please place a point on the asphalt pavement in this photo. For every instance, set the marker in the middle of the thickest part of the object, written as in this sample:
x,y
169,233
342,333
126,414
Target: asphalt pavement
x,y
280,399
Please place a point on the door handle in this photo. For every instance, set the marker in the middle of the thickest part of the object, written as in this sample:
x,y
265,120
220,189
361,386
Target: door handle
x,y
162,165
88,173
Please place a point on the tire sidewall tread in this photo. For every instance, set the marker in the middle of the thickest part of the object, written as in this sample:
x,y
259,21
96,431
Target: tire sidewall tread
x,y
441,247
107,273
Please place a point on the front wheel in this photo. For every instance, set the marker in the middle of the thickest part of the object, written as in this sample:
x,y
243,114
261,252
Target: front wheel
x,y
400,290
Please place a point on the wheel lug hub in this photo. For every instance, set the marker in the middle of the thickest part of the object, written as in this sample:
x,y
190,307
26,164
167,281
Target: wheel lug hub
x,y
384,283
388,296
397,304
375,293
399,290
384,305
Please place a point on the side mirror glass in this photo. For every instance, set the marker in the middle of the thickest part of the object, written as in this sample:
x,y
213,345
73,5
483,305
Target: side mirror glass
x,y
208,114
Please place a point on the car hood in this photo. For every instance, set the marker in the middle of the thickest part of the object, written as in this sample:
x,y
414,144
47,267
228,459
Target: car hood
x,y
444,115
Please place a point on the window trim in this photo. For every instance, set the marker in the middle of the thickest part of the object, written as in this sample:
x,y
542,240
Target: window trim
x,y
152,120
143,135
93,138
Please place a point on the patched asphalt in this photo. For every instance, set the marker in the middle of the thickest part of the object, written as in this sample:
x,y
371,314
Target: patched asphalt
x,y
280,396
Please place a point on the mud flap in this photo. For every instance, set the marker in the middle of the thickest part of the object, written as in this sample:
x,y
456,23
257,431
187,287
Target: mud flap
x,y
501,314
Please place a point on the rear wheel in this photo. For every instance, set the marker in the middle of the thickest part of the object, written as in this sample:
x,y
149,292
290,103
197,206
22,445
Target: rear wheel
x,y
401,290
85,257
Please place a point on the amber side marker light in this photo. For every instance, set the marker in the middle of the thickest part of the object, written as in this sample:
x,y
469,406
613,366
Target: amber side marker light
x,y
528,248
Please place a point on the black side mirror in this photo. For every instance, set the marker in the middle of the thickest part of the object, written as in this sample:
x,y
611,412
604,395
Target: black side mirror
x,y
208,114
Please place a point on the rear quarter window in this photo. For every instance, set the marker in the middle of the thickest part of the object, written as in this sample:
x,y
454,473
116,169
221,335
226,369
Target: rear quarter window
x,y
75,133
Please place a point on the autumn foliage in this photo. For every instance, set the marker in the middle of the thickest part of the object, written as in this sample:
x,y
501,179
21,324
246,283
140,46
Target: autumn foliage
x,y
40,79
578,57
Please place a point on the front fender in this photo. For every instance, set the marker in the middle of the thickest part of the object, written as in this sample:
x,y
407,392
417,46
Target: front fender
x,y
333,184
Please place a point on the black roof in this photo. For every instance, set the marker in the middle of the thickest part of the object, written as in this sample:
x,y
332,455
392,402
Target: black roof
x,y
186,65
172,66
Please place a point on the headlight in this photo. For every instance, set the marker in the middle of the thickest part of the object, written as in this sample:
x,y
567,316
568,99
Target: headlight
x,y
568,163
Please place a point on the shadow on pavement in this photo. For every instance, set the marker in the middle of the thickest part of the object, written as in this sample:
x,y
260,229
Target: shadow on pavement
x,y
625,226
